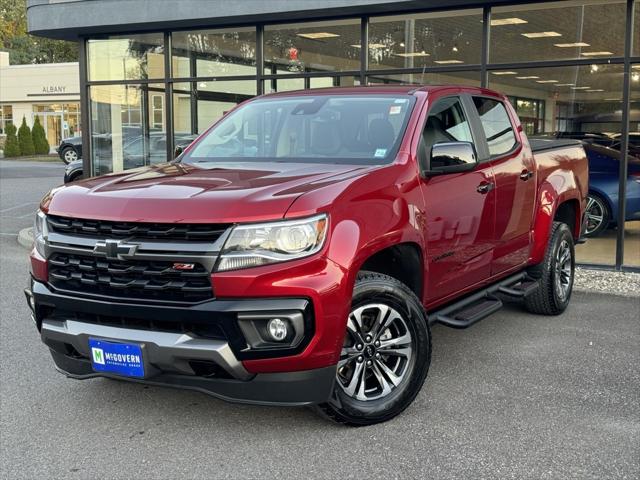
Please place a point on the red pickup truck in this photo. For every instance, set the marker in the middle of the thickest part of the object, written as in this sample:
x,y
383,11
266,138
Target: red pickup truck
x,y
298,252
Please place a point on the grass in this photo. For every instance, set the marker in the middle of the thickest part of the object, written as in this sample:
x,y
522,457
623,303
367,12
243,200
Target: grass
x,y
36,158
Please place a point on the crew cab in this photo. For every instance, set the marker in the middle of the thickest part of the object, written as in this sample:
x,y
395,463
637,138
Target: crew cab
x,y
299,251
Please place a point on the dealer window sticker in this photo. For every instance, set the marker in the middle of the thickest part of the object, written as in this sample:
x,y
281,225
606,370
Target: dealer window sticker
x,y
380,152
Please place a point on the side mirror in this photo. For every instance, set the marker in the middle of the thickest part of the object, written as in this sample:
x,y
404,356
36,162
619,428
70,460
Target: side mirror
x,y
451,157
178,151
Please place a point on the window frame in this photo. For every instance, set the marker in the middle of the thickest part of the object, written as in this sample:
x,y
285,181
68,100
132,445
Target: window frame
x,y
473,127
483,136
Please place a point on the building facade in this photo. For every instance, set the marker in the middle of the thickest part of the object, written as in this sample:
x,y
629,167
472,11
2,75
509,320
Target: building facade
x,y
50,92
153,73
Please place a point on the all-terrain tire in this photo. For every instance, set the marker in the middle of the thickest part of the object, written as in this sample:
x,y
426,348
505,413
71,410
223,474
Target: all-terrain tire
x,y
377,288
549,299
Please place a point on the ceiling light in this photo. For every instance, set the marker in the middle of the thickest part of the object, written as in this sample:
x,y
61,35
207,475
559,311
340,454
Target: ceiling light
x,y
541,34
546,81
636,67
635,77
447,62
528,77
565,84
372,45
508,72
496,22
571,45
414,54
596,54
580,88
318,35
594,68
402,44
595,90
455,48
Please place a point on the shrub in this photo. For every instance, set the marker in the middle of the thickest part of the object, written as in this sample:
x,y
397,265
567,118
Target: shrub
x,y
40,143
11,147
24,139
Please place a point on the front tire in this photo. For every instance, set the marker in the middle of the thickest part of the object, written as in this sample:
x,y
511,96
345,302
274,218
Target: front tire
x,y
555,274
385,356
69,155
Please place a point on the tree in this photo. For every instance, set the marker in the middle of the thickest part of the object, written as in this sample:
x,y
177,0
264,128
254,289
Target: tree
x,y
24,139
40,143
11,148
24,48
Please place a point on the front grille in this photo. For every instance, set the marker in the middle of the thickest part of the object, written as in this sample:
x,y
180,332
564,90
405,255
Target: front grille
x,y
141,279
151,231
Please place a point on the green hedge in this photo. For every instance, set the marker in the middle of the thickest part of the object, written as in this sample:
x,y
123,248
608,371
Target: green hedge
x,y
40,143
25,140
11,147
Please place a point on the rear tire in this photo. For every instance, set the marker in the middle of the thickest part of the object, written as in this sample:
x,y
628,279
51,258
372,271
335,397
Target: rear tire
x,y
598,215
555,274
385,356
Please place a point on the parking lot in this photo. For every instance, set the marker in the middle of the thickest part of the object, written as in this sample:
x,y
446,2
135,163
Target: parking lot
x,y
515,396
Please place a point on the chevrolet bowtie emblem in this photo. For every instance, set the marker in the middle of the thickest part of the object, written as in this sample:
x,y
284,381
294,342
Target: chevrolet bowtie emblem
x,y
115,249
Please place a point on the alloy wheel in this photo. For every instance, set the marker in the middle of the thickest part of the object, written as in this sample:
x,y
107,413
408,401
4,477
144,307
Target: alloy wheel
x,y
70,155
563,270
377,352
595,213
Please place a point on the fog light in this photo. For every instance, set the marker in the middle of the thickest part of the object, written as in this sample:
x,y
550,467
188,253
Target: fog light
x,y
277,329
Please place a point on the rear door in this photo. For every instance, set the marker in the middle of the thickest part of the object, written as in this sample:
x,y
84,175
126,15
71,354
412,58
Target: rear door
x,y
459,207
514,169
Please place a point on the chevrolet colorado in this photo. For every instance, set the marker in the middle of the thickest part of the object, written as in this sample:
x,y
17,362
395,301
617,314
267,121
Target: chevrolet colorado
x,y
298,252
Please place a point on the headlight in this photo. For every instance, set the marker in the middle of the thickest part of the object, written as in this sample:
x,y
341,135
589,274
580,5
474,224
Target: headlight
x,y
40,232
265,243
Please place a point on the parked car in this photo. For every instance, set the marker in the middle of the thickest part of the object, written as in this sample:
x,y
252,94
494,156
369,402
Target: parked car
x,y
298,252
603,201
133,156
70,149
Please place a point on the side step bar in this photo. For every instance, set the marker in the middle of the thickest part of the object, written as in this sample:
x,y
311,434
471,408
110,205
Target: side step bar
x,y
469,310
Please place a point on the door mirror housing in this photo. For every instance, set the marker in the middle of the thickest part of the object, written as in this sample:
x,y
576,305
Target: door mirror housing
x,y
451,157
178,151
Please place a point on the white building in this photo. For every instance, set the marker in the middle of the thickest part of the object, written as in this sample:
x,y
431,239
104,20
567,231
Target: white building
x,y
49,91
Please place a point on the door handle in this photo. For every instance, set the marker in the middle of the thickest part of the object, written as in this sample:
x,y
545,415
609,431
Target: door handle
x,y
485,187
526,175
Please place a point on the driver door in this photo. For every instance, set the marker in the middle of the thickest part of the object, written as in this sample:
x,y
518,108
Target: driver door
x,y
459,207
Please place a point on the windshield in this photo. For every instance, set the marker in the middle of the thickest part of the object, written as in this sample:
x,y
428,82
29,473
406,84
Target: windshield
x,y
362,129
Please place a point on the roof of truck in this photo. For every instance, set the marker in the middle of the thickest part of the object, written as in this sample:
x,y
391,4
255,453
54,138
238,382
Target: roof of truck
x,y
402,89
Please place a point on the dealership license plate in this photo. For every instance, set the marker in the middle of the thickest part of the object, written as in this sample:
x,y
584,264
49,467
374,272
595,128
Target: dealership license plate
x,y
119,358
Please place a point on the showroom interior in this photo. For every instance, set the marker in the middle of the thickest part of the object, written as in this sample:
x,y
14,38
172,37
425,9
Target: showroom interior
x,y
570,68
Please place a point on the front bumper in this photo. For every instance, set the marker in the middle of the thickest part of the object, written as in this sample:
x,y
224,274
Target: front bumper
x,y
177,358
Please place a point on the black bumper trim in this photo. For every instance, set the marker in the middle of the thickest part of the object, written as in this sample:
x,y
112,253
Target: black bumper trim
x,y
224,312
301,388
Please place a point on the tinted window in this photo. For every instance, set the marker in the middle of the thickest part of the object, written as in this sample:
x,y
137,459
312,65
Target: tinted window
x,y
321,129
496,125
446,123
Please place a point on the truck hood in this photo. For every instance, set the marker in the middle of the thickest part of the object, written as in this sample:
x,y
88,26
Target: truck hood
x,y
176,192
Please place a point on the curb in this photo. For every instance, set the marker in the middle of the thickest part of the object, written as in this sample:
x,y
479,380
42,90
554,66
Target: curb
x,y
25,237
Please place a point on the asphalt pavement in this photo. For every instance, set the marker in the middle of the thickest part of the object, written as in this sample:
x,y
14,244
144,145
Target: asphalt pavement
x,y
515,396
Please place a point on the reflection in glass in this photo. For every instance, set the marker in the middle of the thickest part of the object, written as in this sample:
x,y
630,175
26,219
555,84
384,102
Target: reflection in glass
x,y
632,225
312,47
124,133
582,102
425,39
126,58
433,78
214,53
558,30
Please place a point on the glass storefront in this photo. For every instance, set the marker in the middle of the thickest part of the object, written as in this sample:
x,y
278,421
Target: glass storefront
x,y
59,120
6,116
561,64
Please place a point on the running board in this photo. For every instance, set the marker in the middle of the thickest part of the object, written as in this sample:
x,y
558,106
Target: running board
x,y
473,308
